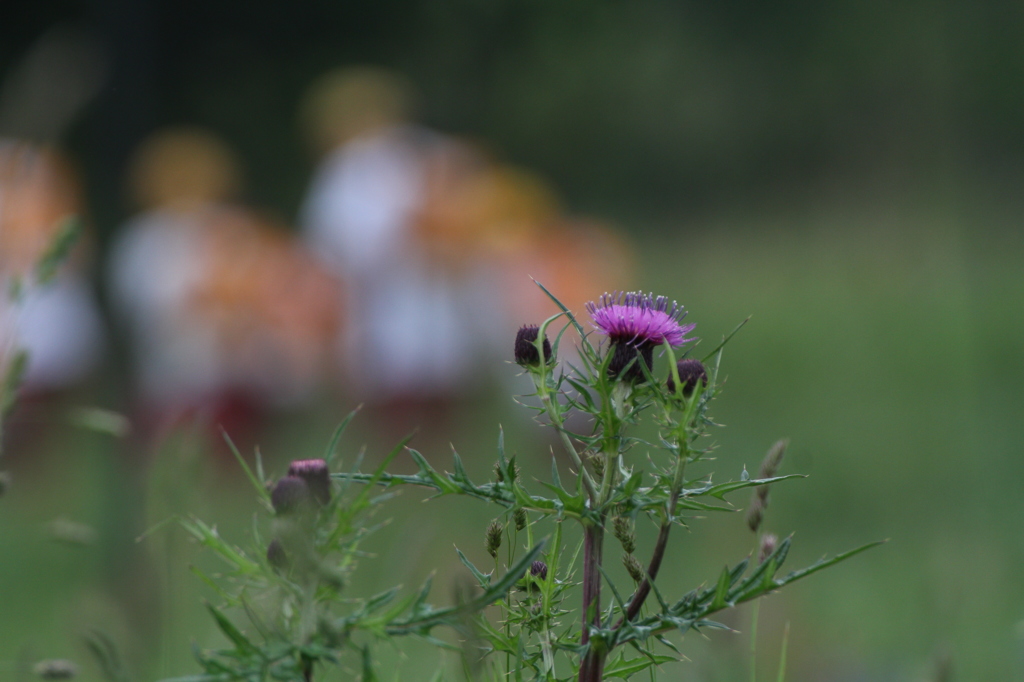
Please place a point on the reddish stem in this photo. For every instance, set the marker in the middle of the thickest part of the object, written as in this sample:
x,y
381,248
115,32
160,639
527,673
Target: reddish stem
x,y
592,666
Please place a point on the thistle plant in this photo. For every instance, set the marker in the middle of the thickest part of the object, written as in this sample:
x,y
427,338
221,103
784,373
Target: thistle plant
x,y
285,608
615,386
285,615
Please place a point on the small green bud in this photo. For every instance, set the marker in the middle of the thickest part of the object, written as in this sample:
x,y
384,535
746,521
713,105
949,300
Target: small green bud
x,y
596,462
519,516
494,538
633,567
622,529
499,473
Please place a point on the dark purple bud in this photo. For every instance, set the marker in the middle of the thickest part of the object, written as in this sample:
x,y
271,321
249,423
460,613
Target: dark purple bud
x,y
626,352
539,570
291,494
525,350
690,372
314,472
276,556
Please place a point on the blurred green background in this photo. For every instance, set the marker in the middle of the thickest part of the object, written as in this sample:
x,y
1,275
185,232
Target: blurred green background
x,y
847,173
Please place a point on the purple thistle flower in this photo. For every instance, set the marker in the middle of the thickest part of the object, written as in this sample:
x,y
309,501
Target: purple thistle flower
x,y
635,323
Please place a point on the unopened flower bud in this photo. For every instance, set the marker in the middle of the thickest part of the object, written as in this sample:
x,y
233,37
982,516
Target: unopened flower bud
x,y
690,372
276,556
622,529
314,472
526,348
769,543
519,516
290,495
5,482
55,669
494,538
539,570
499,473
633,567
596,461
626,352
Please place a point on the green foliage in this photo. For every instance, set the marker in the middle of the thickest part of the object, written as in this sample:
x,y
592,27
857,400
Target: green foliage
x,y
291,617
536,636
286,615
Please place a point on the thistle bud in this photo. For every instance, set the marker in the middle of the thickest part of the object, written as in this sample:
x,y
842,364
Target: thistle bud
x,y
769,543
633,567
55,669
690,372
526,349
624,353
622,529
494,538
596,461
276,556
5,482
539,570
519,516
290,495
314,472
499,473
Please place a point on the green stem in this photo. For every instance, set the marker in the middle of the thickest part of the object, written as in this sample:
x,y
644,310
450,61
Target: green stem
x,y
556,420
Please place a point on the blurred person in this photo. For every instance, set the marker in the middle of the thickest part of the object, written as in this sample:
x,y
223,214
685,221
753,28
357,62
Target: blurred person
x,y
410,347
227,316
57,323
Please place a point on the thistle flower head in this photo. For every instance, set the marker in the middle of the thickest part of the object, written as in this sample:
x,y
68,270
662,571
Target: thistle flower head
x,y
635,323
637,318
539,570
525,351
314,472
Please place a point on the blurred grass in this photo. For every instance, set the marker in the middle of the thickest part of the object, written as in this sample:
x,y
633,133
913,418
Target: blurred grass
x,y
886,343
